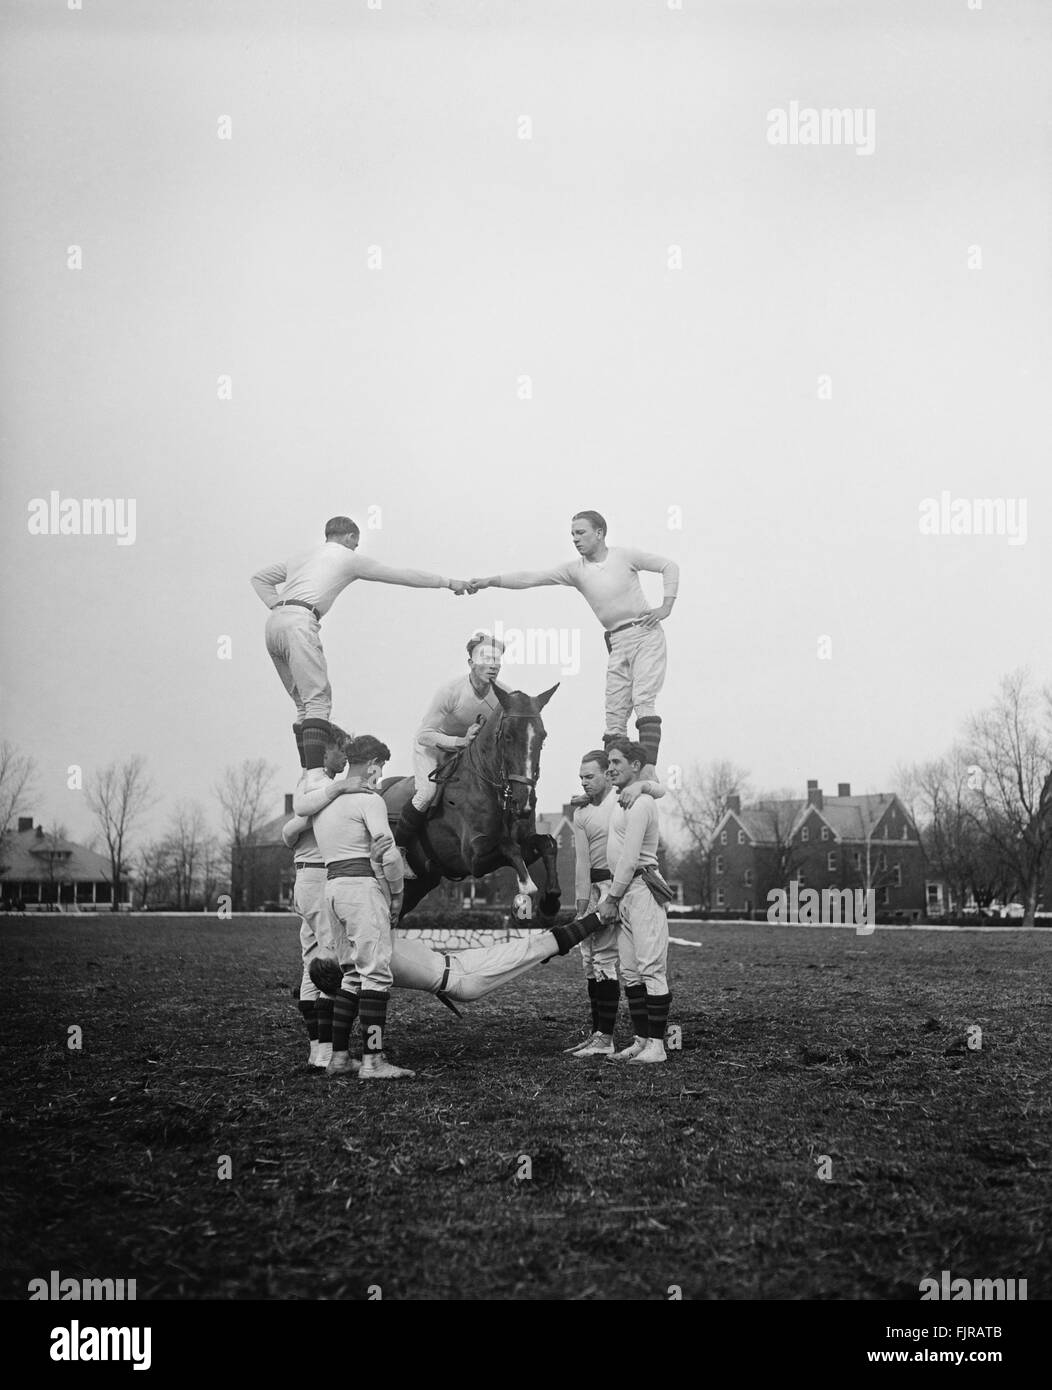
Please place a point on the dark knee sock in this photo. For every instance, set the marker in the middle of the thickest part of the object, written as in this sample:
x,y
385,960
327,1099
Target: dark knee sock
x,y
309,1010
297,732
344,1012
591,999
372,1013
637,1007
648,732
574,933
323,1013
657,1014
607,993
317,734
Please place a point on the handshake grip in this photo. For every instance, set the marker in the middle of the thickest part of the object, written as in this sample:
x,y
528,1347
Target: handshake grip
x,y
468,586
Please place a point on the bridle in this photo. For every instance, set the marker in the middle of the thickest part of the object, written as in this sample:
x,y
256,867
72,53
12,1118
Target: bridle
x,y
504,779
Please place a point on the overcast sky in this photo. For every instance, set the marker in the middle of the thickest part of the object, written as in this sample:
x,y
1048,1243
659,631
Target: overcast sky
x,y
400,388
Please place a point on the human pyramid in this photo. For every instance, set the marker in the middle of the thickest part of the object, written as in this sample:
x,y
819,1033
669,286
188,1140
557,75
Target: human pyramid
x,y
350,869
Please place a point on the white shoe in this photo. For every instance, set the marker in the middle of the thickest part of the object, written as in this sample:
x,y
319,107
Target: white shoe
x,y
653,1051
376,1067
312,1059
585,1042
343,1064
407,872
323,1055
634,1048
599,1045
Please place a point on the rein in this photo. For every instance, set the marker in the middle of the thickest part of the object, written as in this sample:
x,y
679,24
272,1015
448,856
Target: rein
x,y
504,779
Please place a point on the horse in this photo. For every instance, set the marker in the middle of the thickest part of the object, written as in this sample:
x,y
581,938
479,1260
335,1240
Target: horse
x,y
485,816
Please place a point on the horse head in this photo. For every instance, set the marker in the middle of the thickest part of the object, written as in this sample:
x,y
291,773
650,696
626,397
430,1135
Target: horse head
x,y
516,737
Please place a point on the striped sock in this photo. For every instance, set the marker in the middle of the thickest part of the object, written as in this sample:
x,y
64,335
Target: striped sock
x,y
309,1010
323,1012
297,733
344,1012
575,932
317,734
592,984
657,1014
637,1007
648,732
607,994
372,1012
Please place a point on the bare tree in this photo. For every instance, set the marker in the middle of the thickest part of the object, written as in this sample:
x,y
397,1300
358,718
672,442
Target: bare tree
x,y
154,872
215,870
18,773
781,856
187,832
1012,755
699,805
243,792
118,798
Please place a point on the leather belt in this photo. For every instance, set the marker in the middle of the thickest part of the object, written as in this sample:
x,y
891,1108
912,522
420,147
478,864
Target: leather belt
x,y
309,866
623,628
600,876
298,603
350,868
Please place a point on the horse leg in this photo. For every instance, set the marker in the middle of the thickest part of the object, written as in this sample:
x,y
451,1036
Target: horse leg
x,y
543,847
523,904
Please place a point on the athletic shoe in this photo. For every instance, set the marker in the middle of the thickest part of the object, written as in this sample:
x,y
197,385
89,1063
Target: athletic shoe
x,y
634,1048
343,1064
323,1056
376,1067
654,1051
600,1045
584,1042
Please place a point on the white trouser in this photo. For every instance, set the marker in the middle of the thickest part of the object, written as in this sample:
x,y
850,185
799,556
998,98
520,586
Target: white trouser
x,y
599,952
293,638
635,673
308,898
425,760
642,939
361,927
473,972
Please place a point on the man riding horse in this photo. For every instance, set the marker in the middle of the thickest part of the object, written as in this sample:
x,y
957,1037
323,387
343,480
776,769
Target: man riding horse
x,y
475,811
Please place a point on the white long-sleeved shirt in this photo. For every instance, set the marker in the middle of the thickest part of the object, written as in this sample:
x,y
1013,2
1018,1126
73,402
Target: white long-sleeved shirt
x,y
316,576
591,831
453,709
347,827
301,840
633,841
611,586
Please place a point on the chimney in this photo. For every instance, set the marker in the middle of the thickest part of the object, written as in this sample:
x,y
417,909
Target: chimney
x,y
843,789
734,803
814,796
288,803
25,823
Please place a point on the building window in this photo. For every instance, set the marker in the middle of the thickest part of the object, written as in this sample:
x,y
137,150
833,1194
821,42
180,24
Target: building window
x,y
858,859
805,834
896,875
882,862
831,861
721,900
905,832
882,897
825,832
801,882
723,837
747,878
741,837
719,863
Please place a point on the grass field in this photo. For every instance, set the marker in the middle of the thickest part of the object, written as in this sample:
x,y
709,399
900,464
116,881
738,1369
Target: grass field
x,y
798,1044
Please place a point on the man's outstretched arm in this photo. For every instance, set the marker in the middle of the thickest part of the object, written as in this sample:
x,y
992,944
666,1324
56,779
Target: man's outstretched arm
x,y
521,579
366,568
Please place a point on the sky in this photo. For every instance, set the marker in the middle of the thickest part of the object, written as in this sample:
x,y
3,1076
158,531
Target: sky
x,y
461,269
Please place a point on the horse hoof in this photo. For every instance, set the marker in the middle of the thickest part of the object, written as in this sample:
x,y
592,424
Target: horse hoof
x,y
522,907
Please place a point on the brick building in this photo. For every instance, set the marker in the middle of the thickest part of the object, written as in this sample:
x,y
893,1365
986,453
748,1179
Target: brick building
x,y
842,842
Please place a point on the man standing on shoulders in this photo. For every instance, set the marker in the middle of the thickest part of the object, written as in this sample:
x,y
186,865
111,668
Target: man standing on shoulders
x,y
608,577
311,582
352,831
637,900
